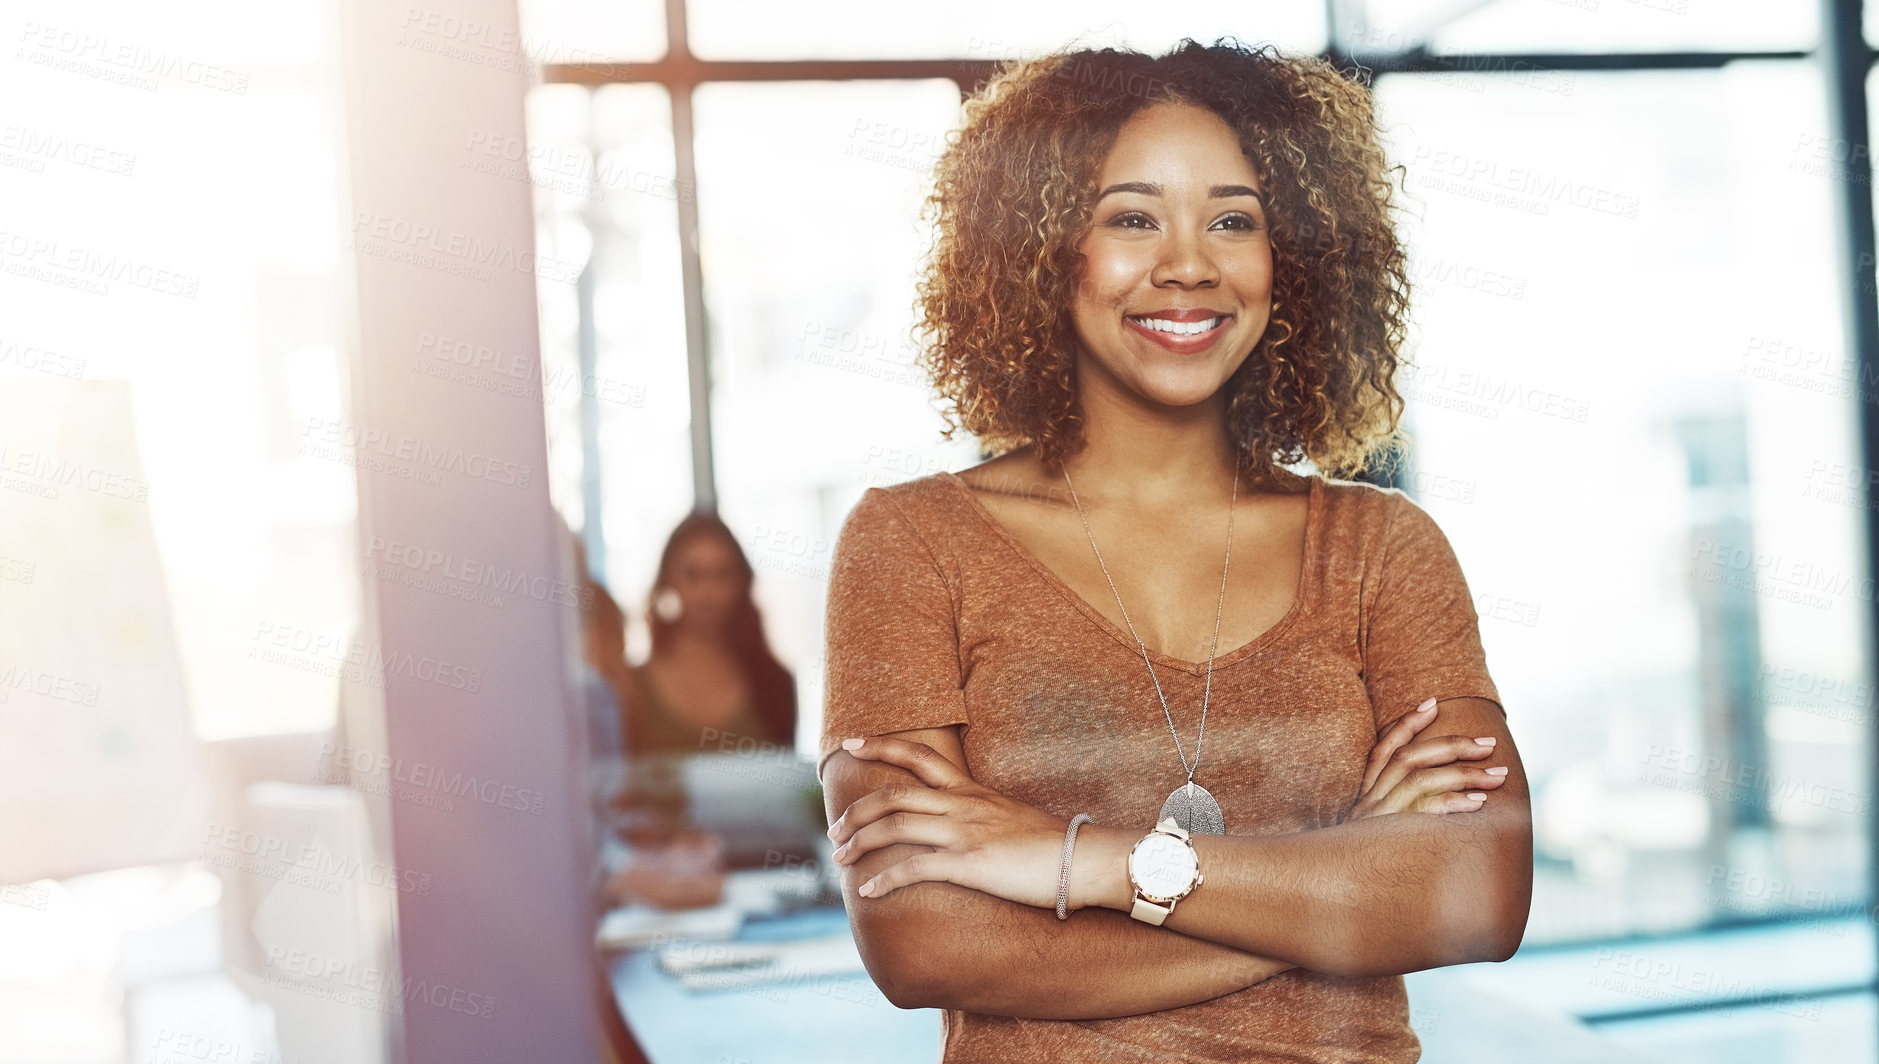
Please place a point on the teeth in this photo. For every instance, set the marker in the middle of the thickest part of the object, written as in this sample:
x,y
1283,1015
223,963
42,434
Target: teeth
x,y
1179,328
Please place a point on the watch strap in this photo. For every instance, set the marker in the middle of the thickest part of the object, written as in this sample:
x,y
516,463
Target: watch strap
x,y
1150,913
1168,826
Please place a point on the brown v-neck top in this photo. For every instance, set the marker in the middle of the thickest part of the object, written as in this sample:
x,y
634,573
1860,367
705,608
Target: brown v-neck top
x,y
937,615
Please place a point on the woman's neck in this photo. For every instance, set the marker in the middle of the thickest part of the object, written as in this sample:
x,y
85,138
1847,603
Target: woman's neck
x,y
1148,456
686,642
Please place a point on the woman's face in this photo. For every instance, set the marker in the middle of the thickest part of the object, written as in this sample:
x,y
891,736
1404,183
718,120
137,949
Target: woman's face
x,y
1177,274
708,580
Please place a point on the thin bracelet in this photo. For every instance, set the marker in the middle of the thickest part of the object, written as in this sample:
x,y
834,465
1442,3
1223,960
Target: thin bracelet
x,y
1063,877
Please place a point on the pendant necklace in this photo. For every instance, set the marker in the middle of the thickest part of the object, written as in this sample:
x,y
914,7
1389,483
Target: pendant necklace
x,y
1190,804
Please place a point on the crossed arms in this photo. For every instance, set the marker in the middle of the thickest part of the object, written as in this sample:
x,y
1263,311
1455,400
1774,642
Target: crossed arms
x,y
1383,895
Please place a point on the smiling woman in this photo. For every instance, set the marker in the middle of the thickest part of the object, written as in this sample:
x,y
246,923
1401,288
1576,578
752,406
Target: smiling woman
x,y
1171,277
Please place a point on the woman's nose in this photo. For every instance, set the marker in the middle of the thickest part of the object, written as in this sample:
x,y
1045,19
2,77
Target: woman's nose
x,y
1185,261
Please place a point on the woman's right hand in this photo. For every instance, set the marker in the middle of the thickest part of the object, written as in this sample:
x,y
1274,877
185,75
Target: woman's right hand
x,y
1411,775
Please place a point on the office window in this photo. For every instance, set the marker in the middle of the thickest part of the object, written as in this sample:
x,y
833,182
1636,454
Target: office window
x,y
605,194
982,29
1633,418
808,202
574,31
1585,26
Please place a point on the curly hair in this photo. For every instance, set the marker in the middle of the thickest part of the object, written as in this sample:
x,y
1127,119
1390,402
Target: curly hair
x,y
1013,197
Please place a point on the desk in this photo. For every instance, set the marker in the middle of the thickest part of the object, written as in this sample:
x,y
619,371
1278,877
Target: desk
x,y
827,1020
814,1021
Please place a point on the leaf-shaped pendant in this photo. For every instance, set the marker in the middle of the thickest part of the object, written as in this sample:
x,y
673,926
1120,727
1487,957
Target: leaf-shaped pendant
x,y
1195,810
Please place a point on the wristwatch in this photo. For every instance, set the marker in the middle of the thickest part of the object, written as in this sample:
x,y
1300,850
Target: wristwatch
x,y
1163,868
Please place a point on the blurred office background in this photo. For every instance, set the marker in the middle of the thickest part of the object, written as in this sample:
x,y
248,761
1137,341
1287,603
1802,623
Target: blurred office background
x,y
1636,404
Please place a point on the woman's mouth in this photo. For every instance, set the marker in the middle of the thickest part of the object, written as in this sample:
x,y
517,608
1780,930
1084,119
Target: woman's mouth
x,y
1184,337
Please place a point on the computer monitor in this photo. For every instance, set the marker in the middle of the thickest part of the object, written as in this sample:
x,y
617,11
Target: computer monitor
x,y
767,807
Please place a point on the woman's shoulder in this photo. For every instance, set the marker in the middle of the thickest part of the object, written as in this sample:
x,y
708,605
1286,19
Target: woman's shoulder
x,y
1354,520
926,505
913,493
1375,520
1362,502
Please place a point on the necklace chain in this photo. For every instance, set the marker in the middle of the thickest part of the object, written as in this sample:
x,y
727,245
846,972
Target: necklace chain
x,y
1218,608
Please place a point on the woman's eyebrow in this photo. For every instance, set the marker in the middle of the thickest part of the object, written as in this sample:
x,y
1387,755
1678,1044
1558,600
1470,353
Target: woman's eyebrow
x,y
1149,188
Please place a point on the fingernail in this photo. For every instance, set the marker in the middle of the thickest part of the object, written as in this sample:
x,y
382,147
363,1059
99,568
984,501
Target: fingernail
x,y
1486,740
1498,771
1426,706
867,888
851,744
842,850
1477,797
835,827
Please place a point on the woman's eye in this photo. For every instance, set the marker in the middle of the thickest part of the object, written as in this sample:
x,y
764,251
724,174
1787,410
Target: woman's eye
x,y
1239,221
1129,220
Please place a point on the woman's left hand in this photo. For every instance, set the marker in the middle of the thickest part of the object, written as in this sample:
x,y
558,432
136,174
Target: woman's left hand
x,y
982,839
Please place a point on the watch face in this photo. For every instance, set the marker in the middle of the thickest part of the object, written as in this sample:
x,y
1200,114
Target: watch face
x,y
1162,865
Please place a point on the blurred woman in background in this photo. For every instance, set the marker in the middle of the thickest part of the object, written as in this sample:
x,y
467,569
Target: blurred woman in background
x,y
710,680
710,683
